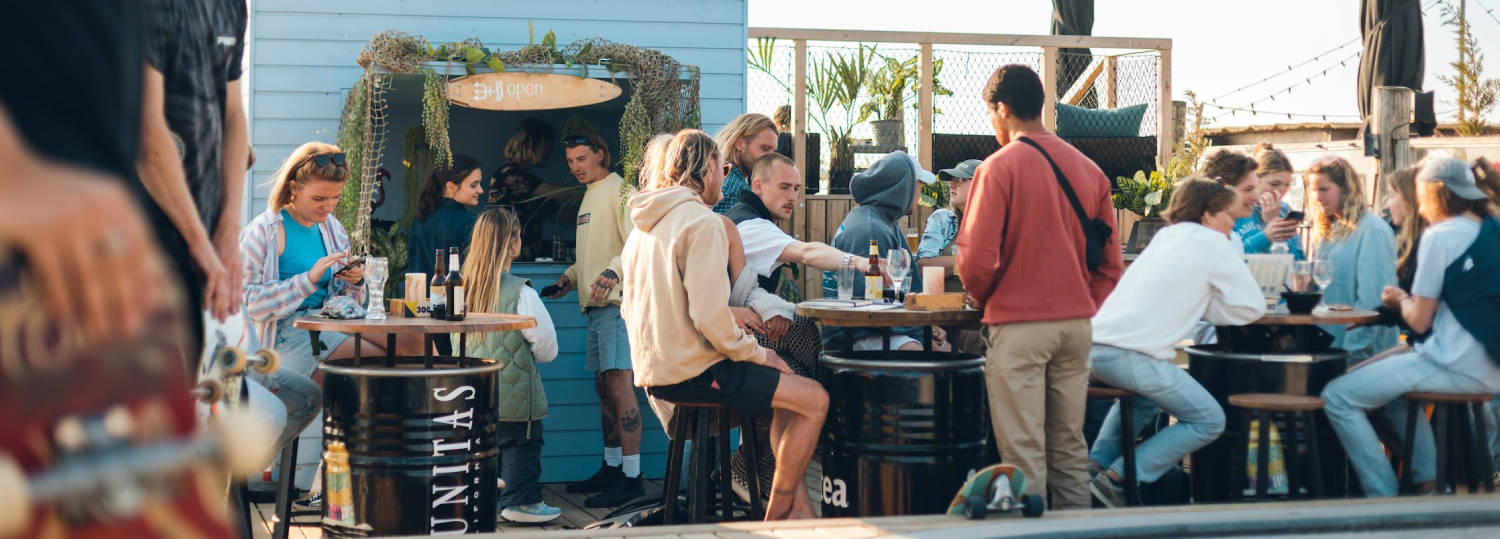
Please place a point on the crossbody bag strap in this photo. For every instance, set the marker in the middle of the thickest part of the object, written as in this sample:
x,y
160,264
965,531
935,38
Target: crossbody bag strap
x,y
1083,217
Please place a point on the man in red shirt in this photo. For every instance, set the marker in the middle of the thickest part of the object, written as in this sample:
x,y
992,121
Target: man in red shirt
x,y
1022,256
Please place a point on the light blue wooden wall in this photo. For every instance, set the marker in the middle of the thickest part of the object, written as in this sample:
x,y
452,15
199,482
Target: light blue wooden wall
x,y
302,64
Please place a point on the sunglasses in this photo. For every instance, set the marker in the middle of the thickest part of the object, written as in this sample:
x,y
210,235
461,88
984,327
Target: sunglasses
x,y
323,159
1327,160
728,167
1218,184
579,141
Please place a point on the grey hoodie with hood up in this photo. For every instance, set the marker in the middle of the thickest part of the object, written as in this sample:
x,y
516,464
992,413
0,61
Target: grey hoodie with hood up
x,y
885,192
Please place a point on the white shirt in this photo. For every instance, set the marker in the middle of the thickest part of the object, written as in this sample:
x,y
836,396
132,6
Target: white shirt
x,y
1449,344
1188,273
543,337
764,243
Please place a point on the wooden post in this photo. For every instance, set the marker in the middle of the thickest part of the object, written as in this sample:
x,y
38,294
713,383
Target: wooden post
x,y
1049,87
1164,124
1111,81
924,108
799,132
1391,119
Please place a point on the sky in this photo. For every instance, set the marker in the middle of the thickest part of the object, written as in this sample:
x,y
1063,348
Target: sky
x,y
1218,46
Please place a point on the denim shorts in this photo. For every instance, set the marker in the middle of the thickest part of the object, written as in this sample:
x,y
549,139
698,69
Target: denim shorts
x,y
295,345
608,346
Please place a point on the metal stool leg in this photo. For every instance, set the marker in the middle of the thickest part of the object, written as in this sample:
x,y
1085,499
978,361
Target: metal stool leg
x,y
1289,450
674,466
1440,437
1315,457
701,447
1263,457
1127,450
1485,459
239,499
1464,450
285,487
1240,465
1408,472
751,440
726,488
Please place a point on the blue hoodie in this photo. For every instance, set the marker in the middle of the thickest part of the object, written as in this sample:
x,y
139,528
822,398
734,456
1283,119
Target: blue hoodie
x,y
885,192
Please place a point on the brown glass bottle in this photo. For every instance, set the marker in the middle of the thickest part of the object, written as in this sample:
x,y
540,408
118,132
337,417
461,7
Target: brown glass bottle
x,y
437,289
874,279
455,284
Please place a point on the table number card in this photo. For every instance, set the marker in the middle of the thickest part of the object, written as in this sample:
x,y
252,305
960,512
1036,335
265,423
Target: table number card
x,y
1270,272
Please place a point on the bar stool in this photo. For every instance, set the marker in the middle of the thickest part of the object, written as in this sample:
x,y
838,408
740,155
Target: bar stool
x,y
1265,407
698,492
1451,411
1127,436
285,489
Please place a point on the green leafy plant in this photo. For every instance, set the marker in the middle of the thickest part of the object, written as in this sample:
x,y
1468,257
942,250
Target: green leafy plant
x,y
1477,96
935,195
391,244
834,85
888,88
1148,193
1145,194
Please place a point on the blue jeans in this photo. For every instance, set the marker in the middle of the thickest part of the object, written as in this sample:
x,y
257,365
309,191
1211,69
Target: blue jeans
x,y
1382,383
520,462
1159,383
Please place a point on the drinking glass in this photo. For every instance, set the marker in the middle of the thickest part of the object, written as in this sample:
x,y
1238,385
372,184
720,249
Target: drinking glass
x,y
377,270
913,238
1323,275
1301,276
846,276
898,266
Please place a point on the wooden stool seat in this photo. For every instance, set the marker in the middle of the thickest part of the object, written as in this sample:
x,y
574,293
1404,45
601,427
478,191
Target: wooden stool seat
x,y
1106,392
692,421
1276,403
1450,398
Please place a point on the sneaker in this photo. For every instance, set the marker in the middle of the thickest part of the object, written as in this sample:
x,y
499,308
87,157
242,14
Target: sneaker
x,y
1110,493
629,488
1095,469
535,513
602,481
313,502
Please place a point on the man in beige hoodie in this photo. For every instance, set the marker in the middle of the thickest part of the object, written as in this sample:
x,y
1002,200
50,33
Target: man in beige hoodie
x,y
685,345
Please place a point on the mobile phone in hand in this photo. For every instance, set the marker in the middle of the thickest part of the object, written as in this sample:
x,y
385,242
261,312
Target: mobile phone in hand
x,y
549,290
353,264
1296,216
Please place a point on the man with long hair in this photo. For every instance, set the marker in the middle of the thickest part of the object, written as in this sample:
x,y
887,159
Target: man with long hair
x,y
746,139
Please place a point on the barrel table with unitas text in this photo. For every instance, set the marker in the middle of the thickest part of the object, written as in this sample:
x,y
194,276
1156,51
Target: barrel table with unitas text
x,y
418,432
905,428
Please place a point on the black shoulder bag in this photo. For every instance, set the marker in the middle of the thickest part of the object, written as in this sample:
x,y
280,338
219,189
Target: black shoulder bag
x,y
1096,232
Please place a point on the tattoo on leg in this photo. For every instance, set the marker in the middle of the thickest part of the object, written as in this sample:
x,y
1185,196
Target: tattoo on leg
x,y
609,421
631,421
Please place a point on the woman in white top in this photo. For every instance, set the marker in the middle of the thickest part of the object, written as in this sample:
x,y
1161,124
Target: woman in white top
x,y
1449,360
1191,271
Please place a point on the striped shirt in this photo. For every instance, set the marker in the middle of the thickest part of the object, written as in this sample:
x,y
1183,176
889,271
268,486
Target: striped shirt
x,y
269,299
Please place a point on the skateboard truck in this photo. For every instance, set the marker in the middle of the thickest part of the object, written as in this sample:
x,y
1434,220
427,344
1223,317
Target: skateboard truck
x,y
1002,498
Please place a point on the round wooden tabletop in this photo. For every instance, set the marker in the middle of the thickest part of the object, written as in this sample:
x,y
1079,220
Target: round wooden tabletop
x,y
1317,318
895,317
472,323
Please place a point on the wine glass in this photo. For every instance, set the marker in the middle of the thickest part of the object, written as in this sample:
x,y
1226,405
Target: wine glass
x,y
377,270
1323,275
898,266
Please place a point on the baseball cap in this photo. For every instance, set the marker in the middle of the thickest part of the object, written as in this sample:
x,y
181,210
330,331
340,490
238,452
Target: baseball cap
x,y
922,174
964,170
1454,173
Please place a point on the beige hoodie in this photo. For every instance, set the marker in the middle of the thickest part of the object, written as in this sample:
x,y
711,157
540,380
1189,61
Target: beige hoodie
x,y
676,285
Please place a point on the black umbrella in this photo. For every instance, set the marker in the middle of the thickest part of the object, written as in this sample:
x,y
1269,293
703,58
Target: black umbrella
x,y
1073,18
1394,54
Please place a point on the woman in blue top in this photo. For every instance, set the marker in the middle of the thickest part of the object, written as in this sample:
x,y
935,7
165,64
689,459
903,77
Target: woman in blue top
x,y
1238,172
443,220
1268,225
1450,360
1361,247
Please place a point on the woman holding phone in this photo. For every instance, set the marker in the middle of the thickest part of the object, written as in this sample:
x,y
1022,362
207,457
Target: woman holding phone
x,y
1273,220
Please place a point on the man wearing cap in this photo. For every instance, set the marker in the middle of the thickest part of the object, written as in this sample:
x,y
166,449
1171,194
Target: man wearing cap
x,y
938,251
1455,299
885,192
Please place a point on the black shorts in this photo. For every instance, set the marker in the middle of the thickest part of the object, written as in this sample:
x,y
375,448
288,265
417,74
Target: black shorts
x,y
744,387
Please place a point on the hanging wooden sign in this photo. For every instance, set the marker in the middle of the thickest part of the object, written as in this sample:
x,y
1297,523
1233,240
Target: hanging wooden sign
x,y
528,91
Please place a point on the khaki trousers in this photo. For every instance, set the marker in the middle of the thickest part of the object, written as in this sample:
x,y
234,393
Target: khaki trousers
x,y
1037,375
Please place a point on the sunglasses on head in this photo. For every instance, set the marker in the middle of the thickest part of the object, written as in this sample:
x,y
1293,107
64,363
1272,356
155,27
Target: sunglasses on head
x,y
579,141
1218,184
1327,160
323,159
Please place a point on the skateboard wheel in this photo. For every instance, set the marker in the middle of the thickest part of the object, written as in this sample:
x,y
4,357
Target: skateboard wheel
x,y
975,507
70,434
244,443
209,391
15,513
1034,506
119,422
269,361
231,360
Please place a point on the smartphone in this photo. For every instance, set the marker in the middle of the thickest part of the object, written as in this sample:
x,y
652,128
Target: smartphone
x,y
549,290
354,264
1295,216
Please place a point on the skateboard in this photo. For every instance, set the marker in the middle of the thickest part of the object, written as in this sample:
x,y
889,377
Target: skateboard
x,y
99,440
996,488
229,348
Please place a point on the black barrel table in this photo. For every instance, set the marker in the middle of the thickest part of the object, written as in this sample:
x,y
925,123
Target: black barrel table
x,y
410,441
1280,353
905,428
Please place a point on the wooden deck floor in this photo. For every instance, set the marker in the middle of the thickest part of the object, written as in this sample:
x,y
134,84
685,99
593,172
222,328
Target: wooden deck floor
x,y
574,514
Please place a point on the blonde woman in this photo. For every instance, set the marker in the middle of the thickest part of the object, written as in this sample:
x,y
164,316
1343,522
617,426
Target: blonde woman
x,y
492,288
1269,224
1361,247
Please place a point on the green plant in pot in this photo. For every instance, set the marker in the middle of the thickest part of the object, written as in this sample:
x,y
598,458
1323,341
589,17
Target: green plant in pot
x,y
1145,195
889,98
834,85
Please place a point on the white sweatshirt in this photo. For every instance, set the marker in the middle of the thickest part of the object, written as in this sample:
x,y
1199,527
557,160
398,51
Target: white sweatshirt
x,y
1188,273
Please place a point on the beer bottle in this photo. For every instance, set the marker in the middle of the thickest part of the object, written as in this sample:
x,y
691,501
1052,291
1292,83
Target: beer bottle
x,y
455,283
874,280
436,289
